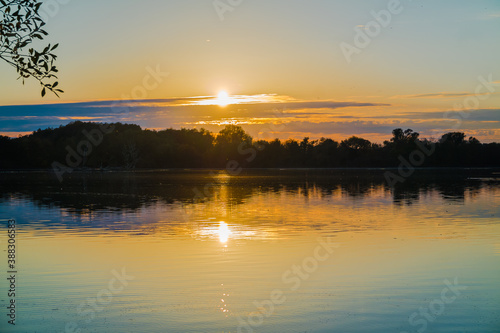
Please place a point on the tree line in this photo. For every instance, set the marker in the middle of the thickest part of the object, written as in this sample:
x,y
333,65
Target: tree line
x,y
128,146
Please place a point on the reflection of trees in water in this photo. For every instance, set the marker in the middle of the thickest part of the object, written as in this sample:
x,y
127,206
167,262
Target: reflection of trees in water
x,y
84,192
451,187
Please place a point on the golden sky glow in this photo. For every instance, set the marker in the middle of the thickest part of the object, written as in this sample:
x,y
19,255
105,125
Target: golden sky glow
x,y
409,75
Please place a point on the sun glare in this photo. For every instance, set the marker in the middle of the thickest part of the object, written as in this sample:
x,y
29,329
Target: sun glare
x,y
223,232
223,98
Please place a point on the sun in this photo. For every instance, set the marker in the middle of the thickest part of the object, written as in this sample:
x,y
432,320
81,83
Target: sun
x,y
223,98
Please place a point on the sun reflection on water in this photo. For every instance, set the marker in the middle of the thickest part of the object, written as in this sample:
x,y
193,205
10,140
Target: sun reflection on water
x,y
223,232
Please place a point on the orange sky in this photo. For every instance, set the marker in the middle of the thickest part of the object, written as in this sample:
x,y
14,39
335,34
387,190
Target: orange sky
x,y
381,66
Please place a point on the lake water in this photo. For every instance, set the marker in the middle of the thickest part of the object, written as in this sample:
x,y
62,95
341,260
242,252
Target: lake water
x,y
263,251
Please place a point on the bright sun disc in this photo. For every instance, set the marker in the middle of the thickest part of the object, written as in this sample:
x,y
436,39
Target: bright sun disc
x,y
223,98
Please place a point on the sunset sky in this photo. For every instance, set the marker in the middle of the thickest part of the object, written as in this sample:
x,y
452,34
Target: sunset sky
x,y
282,63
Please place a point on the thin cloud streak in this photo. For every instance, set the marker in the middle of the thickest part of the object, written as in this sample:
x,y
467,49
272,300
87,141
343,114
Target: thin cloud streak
x,y
442,95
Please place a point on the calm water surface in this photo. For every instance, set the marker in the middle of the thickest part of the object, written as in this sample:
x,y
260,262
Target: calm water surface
x,y
264,251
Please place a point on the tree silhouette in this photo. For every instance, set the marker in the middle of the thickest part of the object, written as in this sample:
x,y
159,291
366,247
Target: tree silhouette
x,y
355,143
129,146
229,143
402,143
232,135
453,138
406,136
20,25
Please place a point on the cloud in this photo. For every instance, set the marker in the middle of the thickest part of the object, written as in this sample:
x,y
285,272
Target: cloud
x,y
163,112
440,95
487,115
329,105
242,100
256,113
491,16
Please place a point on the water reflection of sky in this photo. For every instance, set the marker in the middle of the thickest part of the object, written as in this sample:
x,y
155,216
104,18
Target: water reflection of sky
x,y
201,265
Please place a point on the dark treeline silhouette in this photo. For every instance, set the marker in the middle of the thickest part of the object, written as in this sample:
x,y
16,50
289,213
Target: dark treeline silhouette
x,y
127,146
